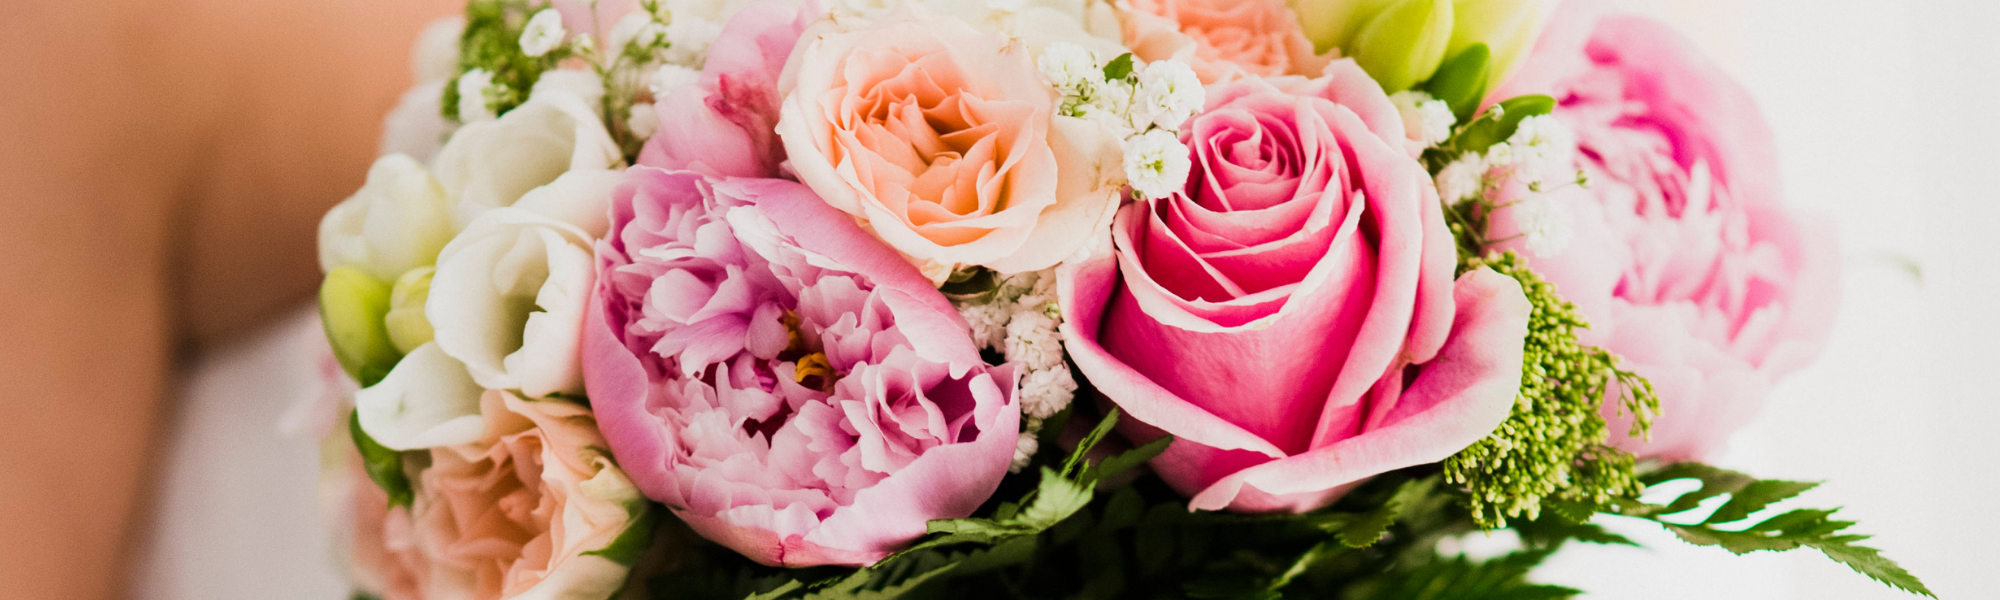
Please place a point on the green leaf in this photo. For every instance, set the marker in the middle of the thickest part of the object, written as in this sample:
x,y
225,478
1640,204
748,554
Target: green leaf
x,y
1869,561
1461,82
1457,578
1119,68
1126,460
1103,428
1368,528
384,466
1494,128
1755,496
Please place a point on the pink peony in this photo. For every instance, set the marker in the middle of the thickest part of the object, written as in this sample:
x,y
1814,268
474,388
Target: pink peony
x,y
1291,317
1685,260
724,124
787,384
1222,39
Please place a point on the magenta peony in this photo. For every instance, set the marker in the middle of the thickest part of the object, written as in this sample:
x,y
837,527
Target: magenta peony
x,y
787,384
1685,260
1270,314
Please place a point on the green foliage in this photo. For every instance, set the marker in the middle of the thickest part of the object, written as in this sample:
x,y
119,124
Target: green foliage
x,y
1735,526
1119,68
1552,448
492,41
637,537
384,465
1503,578
1461,82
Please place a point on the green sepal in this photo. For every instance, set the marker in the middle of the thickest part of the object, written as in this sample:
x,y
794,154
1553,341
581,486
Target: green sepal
x,y
636,539
1461,81
352,306
384,465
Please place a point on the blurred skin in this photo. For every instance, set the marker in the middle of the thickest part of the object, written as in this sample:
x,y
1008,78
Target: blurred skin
x,y
163,167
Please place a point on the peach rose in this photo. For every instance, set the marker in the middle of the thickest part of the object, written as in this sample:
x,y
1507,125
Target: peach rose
x,y
943,141
1222,39
524,512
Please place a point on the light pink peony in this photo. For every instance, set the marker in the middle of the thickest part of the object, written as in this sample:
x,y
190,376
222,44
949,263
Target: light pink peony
x,y
787,384
1686,261
724,125
943,140
519,513
1222,39
1291,317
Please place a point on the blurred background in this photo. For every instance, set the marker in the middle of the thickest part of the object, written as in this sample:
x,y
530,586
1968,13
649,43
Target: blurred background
x,y
207,136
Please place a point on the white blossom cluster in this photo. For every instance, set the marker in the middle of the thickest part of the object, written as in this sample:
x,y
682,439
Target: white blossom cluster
x,y
1429,118
1021,321
1541,156
1145,108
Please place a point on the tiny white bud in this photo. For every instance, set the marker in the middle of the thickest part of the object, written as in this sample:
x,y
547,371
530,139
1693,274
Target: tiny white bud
x,y
626,32
1070,67
473,88
543,33
1463,178
1546,226
1170,92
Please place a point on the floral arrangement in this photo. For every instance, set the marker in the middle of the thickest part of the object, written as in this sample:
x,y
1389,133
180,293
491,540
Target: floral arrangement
x,y
1057,298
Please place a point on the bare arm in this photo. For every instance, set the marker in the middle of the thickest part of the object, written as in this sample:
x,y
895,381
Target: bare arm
x,y
162,169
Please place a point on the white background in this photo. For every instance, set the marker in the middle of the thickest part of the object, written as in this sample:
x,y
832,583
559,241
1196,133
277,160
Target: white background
x,y
1885,112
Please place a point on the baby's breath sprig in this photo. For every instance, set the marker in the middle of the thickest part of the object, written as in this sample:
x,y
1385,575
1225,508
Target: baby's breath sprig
x,y
1552,448
492,62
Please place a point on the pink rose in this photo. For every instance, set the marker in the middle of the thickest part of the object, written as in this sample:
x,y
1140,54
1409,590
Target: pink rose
x,y
724,124
784,382
1685,261
1222,39
1291,317
944,142
517,514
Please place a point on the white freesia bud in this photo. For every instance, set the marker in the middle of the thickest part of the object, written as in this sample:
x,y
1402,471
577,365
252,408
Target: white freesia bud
x,y
1070,67
427,401
492,164
1546,227
473,89
1170,92
1157,164
397,222
543,33
510,291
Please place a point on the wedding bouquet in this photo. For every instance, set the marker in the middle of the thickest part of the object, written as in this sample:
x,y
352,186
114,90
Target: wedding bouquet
x,y
1058,298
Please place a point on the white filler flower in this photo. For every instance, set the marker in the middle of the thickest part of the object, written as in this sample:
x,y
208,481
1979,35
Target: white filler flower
x,y
543,33
473,89
1546,227
1070,67
1170,92
1157,164
1426,119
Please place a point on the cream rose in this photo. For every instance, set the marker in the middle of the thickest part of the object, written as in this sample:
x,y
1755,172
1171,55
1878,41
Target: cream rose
x,y
943,141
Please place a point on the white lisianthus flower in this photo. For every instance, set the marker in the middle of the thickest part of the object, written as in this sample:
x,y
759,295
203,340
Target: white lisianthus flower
x,y
1546,227
1157,164
510,291
492,164
1169,93
427,401
1070,67
473,88
543,33
397,222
